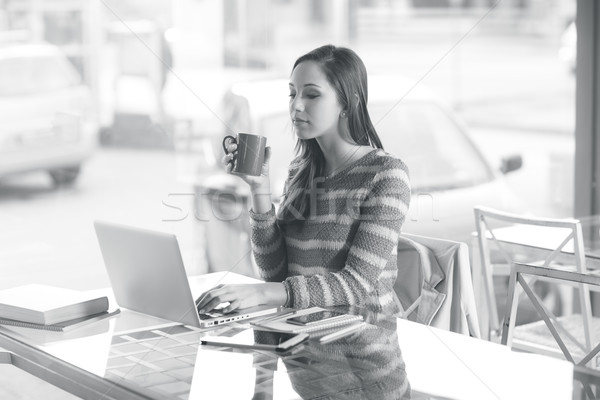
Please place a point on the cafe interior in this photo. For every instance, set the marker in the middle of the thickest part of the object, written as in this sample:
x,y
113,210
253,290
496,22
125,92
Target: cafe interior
x,y
495,115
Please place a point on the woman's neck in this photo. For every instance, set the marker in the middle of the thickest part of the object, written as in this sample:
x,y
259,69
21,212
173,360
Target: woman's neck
x,y
339,154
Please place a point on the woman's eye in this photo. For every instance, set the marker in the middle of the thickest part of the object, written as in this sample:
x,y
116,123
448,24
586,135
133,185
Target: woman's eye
x,y
292,95
312,96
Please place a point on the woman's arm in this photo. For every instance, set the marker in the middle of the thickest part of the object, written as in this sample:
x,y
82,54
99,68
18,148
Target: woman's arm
x,y
265,233
268,244
266,239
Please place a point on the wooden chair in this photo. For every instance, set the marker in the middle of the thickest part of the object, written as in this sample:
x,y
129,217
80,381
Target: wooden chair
x,y
549,244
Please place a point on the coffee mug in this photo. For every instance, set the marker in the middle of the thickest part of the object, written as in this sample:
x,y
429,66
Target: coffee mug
x,y
250,154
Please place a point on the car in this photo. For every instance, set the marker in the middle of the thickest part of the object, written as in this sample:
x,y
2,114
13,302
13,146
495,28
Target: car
x,y
48,122
449,174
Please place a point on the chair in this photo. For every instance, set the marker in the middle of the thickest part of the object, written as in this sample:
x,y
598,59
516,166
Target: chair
x,y
582,355
434,284
561,335
544,244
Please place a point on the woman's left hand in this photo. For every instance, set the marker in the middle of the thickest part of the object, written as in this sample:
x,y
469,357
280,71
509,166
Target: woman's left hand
x,y
241,296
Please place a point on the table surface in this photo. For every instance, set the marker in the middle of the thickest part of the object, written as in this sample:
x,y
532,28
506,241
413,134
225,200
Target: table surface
x,y
130,356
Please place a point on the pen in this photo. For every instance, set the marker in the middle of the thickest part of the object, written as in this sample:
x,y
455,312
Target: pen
x,y
341,333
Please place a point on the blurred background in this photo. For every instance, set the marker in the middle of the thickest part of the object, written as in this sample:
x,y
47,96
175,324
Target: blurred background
x,y
115,110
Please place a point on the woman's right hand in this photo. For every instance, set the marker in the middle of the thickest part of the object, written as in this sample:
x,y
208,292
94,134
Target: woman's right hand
x,y
258,184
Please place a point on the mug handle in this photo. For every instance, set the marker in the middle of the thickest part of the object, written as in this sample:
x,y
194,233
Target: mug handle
x,y
225,139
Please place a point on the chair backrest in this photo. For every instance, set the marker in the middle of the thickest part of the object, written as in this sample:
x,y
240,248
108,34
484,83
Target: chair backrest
x,y
434,283
566,334
505,238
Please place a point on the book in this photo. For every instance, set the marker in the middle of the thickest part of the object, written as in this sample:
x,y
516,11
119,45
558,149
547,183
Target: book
x,y
281,325
63,326
336,329
48,305
342,332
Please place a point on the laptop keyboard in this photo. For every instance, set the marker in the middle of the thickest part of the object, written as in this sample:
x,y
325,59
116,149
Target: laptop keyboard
x,y
161,360
210,315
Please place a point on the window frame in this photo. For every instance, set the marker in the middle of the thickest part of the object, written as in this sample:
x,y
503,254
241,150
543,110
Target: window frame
x,y
587,110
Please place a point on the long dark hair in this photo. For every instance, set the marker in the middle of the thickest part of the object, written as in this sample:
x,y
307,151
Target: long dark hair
x,y
347,74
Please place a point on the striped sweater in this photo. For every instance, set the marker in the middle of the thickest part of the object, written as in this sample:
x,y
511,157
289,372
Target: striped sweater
x,y
345,251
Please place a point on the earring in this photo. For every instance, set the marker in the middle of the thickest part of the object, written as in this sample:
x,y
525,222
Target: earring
x,y
343,114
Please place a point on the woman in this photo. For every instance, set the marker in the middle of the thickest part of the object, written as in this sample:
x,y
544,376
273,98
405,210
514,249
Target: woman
x,y
333,240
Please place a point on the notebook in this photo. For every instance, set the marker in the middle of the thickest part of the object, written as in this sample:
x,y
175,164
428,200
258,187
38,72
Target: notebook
x,y
282,325
62,326
47,305
147,275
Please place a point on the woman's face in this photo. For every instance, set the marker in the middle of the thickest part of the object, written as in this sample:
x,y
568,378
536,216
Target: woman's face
x,y
314,107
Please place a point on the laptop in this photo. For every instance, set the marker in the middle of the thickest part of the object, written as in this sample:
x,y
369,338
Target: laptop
x,y
147,275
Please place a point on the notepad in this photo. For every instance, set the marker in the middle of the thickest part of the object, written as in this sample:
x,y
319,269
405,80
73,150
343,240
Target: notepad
x,y
48,305
282,325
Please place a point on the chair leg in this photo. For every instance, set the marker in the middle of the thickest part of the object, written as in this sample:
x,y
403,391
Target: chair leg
x,y
586,314
510,311
479,291
488,284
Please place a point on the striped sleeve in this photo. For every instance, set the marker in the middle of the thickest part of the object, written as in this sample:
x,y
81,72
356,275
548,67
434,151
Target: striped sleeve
x,y
268,242
268,246
381,216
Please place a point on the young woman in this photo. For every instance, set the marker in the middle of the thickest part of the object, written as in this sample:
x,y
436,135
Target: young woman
x,y
333,240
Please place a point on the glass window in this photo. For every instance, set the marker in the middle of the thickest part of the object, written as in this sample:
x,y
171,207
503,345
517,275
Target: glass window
x,y
438,153
159,72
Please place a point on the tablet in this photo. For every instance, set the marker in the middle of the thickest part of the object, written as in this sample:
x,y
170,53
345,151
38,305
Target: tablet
x,y
257,339
316,318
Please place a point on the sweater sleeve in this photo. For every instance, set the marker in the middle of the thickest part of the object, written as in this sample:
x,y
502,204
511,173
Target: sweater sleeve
x,y
381,216
268,246
268,243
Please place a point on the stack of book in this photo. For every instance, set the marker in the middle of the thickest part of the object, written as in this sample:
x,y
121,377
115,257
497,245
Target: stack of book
x,y
51,308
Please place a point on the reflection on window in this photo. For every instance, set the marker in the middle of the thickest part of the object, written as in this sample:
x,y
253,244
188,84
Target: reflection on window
x,y
437,153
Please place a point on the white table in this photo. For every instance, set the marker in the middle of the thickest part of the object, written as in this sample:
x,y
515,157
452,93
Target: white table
x,y
438,363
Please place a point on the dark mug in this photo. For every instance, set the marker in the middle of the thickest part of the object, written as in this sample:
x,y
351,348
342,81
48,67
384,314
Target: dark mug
x,y
250,154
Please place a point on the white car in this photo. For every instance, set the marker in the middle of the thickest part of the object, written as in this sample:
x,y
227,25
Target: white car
x,y
449,175
47,120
